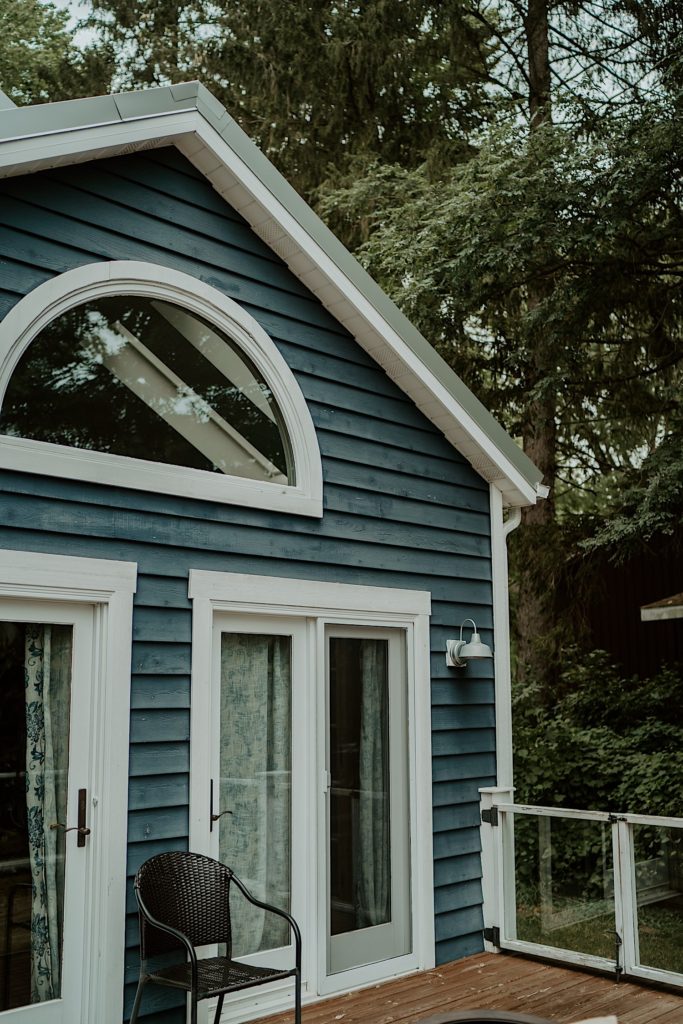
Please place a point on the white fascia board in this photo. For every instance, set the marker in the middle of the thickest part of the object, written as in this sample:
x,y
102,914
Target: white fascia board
x,y
213,156
51,149
661,614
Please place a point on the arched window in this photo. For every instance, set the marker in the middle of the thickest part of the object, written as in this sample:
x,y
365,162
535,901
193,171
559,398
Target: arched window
x,y
131,374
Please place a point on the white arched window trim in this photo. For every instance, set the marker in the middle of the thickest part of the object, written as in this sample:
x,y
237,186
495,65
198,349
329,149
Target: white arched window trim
x,y
122,277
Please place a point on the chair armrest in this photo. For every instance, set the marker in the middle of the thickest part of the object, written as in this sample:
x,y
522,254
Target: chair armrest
x,y
273,910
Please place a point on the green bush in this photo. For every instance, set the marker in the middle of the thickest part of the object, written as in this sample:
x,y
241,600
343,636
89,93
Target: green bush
x,y
607,743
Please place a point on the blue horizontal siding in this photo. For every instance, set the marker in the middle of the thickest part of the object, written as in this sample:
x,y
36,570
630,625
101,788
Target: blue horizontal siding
x,y
402,508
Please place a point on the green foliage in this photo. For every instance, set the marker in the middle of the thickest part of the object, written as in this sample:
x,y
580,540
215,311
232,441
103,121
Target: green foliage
x,y
652,503
599,223
315,84
39,61
608,743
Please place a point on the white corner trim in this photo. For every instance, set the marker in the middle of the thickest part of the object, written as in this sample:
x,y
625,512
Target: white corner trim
x,y
501,634
54,297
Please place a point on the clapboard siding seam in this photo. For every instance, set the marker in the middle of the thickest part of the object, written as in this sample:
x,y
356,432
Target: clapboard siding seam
x,y
332,418
235,561
190,508
135,169
100,244
62,517
305,359
339,397
89,205
453,949
276,323
159,528
47,255
464,894
108,180
338,444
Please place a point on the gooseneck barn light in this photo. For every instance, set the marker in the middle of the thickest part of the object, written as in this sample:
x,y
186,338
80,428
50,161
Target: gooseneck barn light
x,y
459,652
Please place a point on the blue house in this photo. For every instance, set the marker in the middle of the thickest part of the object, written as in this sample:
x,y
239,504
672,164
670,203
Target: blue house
x,y
244,506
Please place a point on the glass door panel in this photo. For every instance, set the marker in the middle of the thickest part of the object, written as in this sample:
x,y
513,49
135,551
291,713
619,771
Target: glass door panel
x,y
45,669
255,781
368,855
260,829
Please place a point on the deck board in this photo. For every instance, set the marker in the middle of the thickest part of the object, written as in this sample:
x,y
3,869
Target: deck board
x,y
497,982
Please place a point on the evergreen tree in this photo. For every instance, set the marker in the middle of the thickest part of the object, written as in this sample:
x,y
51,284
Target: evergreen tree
x,y
317,84
547,271
39,61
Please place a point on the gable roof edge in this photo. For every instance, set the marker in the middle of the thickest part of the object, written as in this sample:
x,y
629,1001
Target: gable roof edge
x,y
245,177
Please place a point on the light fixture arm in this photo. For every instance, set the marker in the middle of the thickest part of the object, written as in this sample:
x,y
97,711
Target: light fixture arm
x,y
462,626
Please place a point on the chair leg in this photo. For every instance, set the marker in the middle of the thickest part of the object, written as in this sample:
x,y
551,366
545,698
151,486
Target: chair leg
x,y
193,1008
138,998
297,998
219,1008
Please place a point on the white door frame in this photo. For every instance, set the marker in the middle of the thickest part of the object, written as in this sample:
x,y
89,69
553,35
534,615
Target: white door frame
x,y
108,587
321,603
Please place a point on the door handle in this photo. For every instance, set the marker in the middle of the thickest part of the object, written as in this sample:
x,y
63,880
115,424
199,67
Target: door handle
x,y
214,817
80,828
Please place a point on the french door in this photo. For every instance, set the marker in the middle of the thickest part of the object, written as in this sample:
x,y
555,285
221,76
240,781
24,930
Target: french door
x,y
279,685
311,772
46,668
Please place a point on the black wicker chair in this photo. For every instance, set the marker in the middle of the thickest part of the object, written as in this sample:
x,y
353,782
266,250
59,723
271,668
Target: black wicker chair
x,y
184,902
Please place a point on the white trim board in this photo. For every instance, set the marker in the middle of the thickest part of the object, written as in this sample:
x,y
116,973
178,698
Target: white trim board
x,y
190,118
129,277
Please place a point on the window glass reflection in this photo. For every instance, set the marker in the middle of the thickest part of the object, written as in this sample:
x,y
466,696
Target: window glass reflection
x,y
147,379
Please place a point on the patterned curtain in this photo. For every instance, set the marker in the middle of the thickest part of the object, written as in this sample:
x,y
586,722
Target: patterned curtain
x,y
47,673
372,869
255,781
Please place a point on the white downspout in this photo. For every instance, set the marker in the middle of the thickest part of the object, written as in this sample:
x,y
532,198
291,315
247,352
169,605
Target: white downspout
x,y
503,791
500,529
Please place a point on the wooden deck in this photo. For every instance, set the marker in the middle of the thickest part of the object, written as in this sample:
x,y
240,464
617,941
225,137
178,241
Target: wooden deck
x,y
497,982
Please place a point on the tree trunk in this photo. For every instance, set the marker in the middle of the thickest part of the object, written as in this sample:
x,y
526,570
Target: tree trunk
x,y
536,599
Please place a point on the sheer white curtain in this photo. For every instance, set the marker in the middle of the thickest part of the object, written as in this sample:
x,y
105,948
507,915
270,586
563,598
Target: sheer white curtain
x,y
255,780
47,675
372,870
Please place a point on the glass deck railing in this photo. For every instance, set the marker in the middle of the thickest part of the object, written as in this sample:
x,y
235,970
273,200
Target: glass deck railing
x,y
587,887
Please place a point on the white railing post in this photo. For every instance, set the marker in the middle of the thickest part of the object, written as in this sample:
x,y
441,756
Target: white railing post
x,y
492,859
625,896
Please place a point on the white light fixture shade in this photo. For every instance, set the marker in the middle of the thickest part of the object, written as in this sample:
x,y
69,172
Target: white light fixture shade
x,y
475,649
459,652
